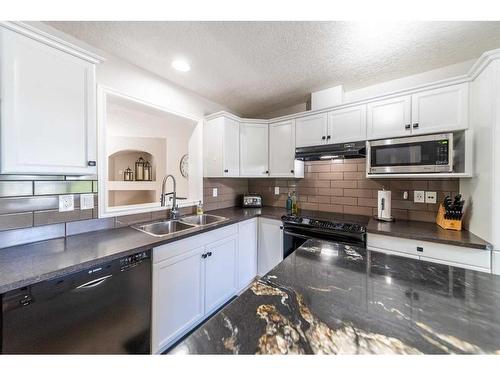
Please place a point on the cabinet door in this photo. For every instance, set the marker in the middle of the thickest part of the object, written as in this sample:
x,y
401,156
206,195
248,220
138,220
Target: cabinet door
x,y
270,250
231,164
221,145
247,252
311,130
389,118
213,147
443,109
48,109
178,297
220,272
282,149
254,150
347,125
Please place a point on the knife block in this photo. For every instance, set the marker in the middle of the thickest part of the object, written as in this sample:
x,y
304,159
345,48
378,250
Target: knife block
x,y
447,223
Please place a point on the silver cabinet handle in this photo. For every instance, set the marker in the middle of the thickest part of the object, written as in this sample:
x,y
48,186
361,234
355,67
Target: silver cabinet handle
x,y
94,283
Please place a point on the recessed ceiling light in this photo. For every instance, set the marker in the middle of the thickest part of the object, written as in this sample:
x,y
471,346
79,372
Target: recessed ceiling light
x,y
181,65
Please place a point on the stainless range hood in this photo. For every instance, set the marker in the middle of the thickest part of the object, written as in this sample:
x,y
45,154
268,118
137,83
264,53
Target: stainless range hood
x,y
334,151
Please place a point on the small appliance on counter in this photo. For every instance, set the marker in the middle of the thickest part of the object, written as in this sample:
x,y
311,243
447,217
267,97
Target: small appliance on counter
x,y
384,206
251,201
450,213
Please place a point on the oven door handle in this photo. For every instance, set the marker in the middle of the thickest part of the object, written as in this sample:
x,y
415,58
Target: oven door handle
x,y
297,235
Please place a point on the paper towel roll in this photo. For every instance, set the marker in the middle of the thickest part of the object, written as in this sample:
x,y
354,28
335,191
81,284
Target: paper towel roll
x,y
384,204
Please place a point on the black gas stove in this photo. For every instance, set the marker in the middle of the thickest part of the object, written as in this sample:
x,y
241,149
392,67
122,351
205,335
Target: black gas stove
x,y
298,229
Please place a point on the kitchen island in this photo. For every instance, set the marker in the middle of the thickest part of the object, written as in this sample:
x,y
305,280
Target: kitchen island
x,y
336,299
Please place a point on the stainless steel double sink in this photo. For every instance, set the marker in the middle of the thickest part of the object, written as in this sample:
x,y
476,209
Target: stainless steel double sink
x,y
167,227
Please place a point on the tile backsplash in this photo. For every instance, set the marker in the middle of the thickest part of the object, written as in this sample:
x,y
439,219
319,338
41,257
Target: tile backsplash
x,y
229,191
341,186
29,209
29,204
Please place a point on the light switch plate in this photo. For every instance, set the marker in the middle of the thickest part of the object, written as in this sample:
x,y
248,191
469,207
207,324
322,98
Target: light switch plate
x,y
215,192
419,196
430,197
86,201
276,190
66,203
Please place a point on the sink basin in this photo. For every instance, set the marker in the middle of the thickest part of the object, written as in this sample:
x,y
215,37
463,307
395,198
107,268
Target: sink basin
x,y
202,219
164,228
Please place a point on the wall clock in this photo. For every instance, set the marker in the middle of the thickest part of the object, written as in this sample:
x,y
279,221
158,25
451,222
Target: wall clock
x,y
184,166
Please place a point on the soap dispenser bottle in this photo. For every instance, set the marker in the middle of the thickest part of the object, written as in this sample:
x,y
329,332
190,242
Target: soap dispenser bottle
x,y
288,203
199,208
295,209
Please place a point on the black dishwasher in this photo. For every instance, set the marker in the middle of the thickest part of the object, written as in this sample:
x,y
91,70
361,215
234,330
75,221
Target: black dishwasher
x,y
105,309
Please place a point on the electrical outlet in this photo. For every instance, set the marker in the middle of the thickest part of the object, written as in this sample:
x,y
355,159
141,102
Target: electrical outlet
x,y
66,203
276,190
86,201
430,197
215,192
419,196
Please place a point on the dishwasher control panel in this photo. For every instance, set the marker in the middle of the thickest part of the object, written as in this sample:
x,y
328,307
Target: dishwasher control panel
x,y
133,260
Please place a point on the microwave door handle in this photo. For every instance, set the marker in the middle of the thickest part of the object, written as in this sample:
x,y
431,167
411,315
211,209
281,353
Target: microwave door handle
x,y
93,283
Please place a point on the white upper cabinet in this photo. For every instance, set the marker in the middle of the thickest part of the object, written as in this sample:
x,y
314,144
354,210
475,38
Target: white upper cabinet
x,y
282,149
347,125
221,147
433,111
443,109
254,150
389,118
48,117
311,130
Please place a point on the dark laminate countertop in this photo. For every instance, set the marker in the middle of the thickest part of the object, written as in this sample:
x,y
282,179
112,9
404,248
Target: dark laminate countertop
x,y
427,232
326,298
27,264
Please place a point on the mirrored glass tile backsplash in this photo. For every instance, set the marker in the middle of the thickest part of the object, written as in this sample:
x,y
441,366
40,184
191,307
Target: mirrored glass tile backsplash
x,y
29,209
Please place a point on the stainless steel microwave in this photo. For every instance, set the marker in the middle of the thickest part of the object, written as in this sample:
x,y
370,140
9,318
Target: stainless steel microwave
x,y
420,154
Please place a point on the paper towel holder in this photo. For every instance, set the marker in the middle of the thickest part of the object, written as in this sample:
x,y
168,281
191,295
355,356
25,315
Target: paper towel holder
x,y
388,219
381,207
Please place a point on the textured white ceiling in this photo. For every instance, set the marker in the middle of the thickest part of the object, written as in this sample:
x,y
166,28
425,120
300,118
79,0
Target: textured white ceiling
x,y
258,67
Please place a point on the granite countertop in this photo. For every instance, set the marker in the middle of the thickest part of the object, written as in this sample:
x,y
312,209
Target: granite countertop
x,y
27,264
329,298
427,232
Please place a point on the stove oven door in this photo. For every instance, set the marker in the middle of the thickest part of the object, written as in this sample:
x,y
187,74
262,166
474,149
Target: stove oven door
x,y
292,241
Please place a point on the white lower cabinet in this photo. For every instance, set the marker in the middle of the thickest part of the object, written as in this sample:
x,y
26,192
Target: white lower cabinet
x,y
495,262
270,250
458,256
178,296
195,276
220,272
247,252
191,278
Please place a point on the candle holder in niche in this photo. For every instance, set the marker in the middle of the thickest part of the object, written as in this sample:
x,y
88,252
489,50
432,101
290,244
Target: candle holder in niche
x,y
128,175
148,171
139,169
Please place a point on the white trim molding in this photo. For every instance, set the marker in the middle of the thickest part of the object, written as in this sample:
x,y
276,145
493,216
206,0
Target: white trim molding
x,y
52,41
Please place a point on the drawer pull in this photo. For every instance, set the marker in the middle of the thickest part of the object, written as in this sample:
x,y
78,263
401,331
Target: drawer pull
x,y
420,249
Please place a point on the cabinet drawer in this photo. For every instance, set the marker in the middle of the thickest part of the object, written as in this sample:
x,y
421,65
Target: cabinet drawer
x,y
179,247
458,256
399,245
